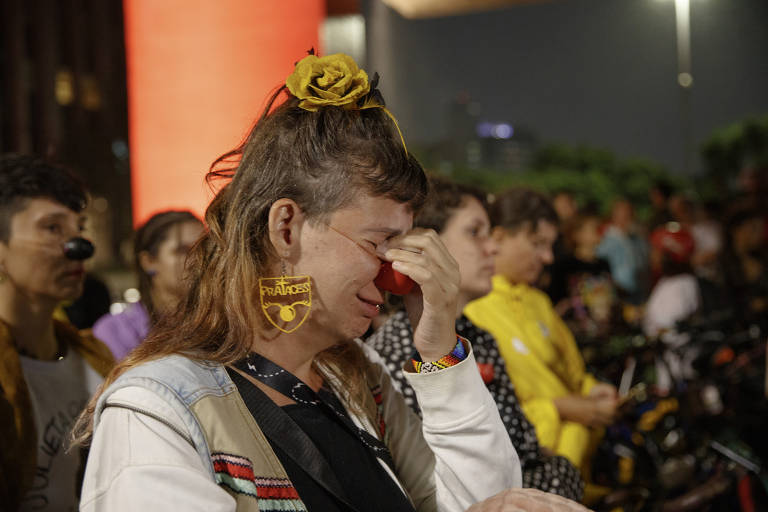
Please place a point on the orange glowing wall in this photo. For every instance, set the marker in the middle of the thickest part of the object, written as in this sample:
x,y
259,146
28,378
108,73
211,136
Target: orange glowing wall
x,y
198,76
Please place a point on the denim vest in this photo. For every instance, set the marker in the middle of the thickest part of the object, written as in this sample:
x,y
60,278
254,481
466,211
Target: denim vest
x,y
218,425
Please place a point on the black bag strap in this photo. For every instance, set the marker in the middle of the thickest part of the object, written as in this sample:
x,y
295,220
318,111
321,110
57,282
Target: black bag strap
x,y
288,436
281,380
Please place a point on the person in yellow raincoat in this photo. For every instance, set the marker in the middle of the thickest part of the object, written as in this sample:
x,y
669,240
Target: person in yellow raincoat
x,y
564,402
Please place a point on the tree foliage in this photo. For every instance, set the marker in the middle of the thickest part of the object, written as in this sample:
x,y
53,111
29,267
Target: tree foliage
x,y
738,145
595,177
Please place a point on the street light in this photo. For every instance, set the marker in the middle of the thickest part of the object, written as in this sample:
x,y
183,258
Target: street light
x,y
683,24
684,76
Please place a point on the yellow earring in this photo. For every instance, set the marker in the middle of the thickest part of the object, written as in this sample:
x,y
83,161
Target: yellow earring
x,y
286,300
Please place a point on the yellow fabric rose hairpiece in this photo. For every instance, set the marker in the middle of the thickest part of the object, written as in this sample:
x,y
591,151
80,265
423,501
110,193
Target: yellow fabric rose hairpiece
x,y
335,80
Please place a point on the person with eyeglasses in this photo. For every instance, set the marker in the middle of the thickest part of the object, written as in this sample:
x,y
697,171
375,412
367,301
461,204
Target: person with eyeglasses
x,y
459,214
257,394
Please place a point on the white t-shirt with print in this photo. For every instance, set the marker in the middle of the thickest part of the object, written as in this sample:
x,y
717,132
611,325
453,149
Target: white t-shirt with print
x,y
59,390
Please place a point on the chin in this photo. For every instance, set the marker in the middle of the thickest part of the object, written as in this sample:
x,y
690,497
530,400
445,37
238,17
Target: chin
x,y
356,329
477,293
532,281
70,292
347,330
358,333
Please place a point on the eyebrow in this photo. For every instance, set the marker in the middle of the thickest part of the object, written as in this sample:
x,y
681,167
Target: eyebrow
x,y
53,215
60,215
386,231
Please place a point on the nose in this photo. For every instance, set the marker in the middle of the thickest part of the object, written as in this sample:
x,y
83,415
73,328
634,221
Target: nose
x,y
491,246
547,256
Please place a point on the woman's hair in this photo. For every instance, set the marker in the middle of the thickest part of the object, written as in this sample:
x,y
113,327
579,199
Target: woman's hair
x,y
322,160
148,239
522,208
443,199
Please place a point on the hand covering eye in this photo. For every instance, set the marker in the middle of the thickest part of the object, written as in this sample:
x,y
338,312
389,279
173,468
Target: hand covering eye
x,y
393,281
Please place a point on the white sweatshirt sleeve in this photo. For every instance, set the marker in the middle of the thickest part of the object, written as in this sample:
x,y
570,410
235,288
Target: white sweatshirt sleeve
x,y
461,453
151,467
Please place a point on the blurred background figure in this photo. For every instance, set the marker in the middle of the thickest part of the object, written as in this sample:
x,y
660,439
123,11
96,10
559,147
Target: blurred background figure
x,y
458,214
558,396
582,289
160,249
681,210
708,237
626,250
744,262
659,196
675,296
565,205
48,371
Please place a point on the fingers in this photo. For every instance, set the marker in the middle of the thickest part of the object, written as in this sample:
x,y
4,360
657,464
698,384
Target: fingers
x,y
421,255
418,241
526,500
605,411
603,390
422,269
606,402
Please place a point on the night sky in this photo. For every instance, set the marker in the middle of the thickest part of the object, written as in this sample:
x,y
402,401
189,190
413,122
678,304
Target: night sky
x,y
598,72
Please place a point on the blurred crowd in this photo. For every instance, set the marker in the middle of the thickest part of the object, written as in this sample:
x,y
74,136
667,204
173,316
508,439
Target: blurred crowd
x,y
557,299
592,324
689,258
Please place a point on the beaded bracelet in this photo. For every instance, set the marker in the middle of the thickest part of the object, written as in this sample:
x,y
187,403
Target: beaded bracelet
x,y
457,355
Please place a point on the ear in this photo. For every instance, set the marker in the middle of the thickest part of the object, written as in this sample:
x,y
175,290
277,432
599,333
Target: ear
x,y
147,263
285,223
3,250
